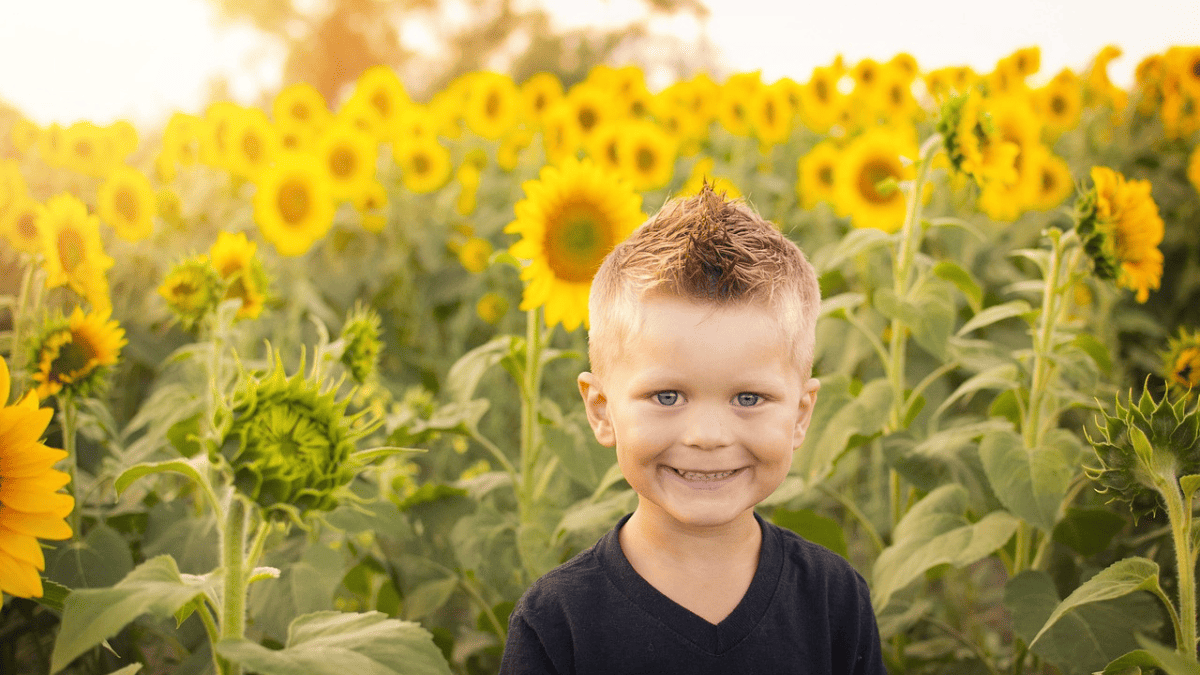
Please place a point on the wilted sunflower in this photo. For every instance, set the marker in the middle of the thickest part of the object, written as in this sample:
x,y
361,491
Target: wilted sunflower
x,y
127,203
74,256
570,218
817,172
192,289
1181,361
866,163
74,354
233,258
293,206
646,155
288,443
349,156
31,507
424,163
493,104
1120,227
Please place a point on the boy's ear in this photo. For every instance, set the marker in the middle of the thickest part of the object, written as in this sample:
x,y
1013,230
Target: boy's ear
x,y
808,401
596,406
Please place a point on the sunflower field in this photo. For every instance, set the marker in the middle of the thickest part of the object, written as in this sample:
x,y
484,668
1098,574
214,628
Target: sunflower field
x,y
291,389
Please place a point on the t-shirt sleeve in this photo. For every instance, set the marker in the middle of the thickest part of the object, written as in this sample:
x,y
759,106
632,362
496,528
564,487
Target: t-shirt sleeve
x,y
868,653
524,653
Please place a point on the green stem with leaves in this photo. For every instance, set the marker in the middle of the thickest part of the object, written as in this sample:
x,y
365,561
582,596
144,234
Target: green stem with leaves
x,y
1180,515
69,419
531,437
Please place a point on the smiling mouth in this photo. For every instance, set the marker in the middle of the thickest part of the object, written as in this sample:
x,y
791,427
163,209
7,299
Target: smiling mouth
x,y
704,476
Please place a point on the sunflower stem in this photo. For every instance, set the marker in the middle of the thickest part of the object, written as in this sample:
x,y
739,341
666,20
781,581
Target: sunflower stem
x,y
530,425
16,351
1180,516
66,404
233,562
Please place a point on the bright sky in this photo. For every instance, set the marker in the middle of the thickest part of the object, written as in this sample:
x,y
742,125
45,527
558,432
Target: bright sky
x,y
64,60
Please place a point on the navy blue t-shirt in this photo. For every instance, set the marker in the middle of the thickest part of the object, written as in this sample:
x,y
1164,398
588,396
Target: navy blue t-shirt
x,y
806,611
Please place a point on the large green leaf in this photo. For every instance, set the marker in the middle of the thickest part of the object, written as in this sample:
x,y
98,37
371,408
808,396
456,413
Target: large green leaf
x,y
93,615
101,559
1170,661
1086,639
464,375
1088,531
929,314
337,643
1030,484
1121,578
936,532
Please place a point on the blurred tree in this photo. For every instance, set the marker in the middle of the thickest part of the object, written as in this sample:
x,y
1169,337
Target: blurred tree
x,y
330,42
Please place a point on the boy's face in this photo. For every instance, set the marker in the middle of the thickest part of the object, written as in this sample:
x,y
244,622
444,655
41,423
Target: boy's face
x,y
705,407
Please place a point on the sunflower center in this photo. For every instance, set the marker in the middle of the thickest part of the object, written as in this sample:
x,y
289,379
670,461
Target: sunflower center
x,y
1049,181
769,112
587,118
1196,68
1058,105
252,147
342,162
646,158
491,105
577,242
71,361
70,249
83,149
825,175
126,204
27,225
293,201
821,89
300,111
421,164
874,172
381,103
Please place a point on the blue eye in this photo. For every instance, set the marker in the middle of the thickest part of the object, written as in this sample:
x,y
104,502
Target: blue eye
x,y
667,397
747,399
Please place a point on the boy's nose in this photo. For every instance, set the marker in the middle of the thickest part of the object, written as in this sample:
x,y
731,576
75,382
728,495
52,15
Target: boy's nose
x,y
706,427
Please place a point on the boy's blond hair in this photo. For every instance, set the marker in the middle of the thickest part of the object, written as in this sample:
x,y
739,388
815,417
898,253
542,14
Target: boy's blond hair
x,y
709,249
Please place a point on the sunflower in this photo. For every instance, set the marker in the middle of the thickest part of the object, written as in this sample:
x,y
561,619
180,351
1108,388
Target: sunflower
x,y
561,136
371,203
539,92
869,160
253,144
508,155
904,64
701,173
219,119
1121,230
570,218
493,104
382,90
771,114
953,79
192,289
1056,183
12,185
972,144
300,105
491,307
604,145
1015,123
233,258
820,100
71,243
182,139
866,74
589,106
1059,102
817,173
468,176
349,157
1181,361
425,165
73,354
127,203
86,148
733,104
19,225
1098,88
31,507
293,205
646,155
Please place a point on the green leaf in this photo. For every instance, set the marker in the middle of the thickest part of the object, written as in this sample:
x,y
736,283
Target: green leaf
x,y
842,302
814,527
1088,531
93,615
130,669
1132,663
336,643
315,577
102,558
1121,578
962,279
185,435
929,315
369,455
53,595
537,549
1083,641
464,376
1189,485
856,242
994,314
186,467
936,532
1095,349
428,597
1002,376
1030,484
1171,661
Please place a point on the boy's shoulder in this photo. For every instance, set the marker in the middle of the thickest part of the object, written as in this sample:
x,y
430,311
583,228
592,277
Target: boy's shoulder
x,y
809,564
575,579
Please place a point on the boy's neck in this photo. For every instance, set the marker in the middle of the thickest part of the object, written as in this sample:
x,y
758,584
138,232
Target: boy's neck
x,y
653,532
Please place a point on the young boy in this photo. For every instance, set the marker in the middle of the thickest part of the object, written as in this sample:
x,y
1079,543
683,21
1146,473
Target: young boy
x,y
701,346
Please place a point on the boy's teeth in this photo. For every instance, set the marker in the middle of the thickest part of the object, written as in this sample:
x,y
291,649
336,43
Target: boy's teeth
x,y
705,475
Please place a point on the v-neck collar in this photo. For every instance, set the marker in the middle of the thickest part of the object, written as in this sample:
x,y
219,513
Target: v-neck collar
x,y
715,639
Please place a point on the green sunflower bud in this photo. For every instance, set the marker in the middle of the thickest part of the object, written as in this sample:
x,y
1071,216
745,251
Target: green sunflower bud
x,y
192,289
289,443
361,334
1145,448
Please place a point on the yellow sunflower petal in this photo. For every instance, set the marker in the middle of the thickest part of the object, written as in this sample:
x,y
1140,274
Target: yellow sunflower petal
x,y
40,525
22,547
18,578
